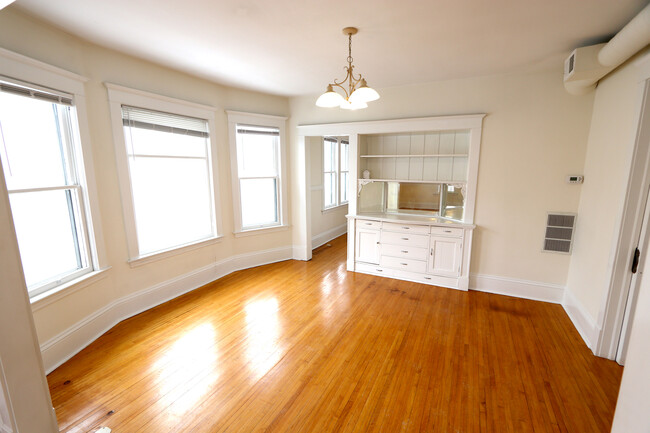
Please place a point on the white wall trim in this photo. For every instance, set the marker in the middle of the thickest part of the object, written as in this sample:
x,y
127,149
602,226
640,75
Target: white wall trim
x,y
65,345
582,320
328,235
535,290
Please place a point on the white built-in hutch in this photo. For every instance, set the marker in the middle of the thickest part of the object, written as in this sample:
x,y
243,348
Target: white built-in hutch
x,y
411,208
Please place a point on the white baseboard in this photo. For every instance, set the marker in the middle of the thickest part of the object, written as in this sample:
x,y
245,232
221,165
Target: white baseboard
x,y
65,345
535,290
326,236
582,320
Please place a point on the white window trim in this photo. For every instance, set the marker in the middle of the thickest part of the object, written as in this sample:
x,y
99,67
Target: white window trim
x,y
25,69
339,203
120,95
238,117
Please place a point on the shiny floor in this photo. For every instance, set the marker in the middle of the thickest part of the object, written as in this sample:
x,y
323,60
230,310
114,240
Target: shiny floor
x,y
309,347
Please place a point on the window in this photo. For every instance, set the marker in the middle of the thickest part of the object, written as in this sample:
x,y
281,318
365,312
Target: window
x,y
258,152
335,172
166,173
41,163
258,188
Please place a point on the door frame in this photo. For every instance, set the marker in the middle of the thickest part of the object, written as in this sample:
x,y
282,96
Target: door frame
x,y
628,237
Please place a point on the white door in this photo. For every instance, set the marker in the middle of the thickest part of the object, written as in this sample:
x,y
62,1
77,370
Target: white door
x,y
637,269
367,246
445,256
642,243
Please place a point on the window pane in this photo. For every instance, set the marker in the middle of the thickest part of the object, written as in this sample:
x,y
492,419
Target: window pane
x,y
257,155
329,189
150,142
345,147
30,142
172,201
344,187
47,235
329,155
259,202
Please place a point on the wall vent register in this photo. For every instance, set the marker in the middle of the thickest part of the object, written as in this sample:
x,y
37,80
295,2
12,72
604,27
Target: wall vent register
x,y
559,233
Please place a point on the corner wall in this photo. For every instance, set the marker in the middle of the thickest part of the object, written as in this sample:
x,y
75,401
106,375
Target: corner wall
x,y
607,169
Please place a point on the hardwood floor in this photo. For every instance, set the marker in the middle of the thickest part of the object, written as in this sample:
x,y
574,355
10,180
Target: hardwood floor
x,y
309,347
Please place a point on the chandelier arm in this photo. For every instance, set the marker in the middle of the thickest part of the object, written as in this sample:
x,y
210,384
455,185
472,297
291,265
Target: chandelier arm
x,y
342,88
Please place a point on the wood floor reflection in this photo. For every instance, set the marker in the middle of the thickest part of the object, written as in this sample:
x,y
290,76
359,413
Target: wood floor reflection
x,y
309,347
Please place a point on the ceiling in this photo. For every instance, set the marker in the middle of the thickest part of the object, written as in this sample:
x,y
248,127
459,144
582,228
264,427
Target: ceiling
x,y
295,47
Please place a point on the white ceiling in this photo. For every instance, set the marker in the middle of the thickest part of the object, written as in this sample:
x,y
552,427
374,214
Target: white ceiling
x,y
295,47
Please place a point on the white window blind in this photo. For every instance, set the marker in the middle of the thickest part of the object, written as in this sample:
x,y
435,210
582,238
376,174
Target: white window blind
x,y
164,122
35,92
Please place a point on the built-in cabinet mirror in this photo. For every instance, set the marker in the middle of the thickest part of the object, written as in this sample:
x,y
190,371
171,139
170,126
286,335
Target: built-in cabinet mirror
x,y
413,198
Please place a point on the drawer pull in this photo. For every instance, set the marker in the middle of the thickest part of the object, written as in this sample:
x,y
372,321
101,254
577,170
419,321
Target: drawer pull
x,y
404,264
368,224
431,251
405,251
405,239
379,270
427,278
406,228
447,231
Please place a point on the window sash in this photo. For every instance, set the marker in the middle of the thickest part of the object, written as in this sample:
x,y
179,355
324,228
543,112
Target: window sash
x,y
277,204
79,229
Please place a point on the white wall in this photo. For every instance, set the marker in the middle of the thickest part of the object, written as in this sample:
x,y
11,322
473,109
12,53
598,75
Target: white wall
x,y
329,224
607,164
534,134
87,306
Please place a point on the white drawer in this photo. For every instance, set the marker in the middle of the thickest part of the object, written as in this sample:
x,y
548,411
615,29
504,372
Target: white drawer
x,y
406,239
407,252
447,231
368,224
372,269
406,228
403,264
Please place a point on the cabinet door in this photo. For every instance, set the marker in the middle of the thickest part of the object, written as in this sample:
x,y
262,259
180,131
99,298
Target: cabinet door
x,y
445,256
367,246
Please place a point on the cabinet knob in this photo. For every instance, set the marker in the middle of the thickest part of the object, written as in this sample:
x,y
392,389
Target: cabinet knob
x,y
405,251
405,239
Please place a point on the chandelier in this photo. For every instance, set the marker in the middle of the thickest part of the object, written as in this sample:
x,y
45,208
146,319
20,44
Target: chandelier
x,y
357,94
